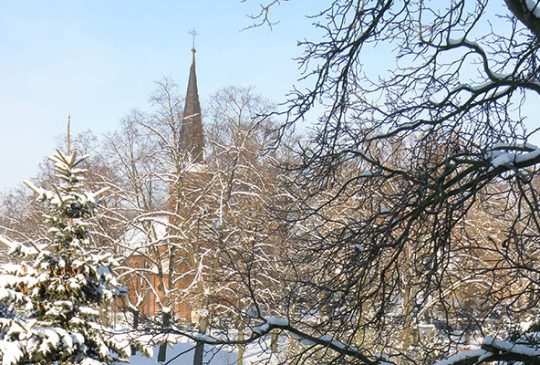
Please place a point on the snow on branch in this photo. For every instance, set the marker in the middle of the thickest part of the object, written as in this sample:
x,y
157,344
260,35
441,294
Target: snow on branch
x,y
495,350
513,155
534,7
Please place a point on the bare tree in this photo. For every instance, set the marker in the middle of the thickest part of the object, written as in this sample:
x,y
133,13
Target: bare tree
x,y
194,229
145,156
417,190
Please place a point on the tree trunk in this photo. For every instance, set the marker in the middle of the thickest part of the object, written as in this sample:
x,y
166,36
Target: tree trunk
x,y
241,348
199,346
135,327
162,355
136,315
104,314
274,342
409,333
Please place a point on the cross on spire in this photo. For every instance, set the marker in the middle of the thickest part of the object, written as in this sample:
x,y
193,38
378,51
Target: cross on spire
x,y
68,137
193,32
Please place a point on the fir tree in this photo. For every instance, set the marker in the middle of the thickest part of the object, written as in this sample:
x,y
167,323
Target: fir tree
x,y
54,291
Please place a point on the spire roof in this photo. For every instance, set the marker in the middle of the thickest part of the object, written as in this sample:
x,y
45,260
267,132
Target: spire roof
x,y
191,132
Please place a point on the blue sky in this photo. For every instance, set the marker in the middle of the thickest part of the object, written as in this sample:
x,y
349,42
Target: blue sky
x,y
99,59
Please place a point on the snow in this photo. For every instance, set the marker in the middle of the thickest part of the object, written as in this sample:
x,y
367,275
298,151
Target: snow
x,y
197,167
263,328
480,355
462,40
528,156
486,355
16,247
503,159
137,235
204,338
268,322
500,158
507,146
183,354
223,355
276,321
338,344
455,41
383,359
11,352
88,361
534,7
471,354
512,347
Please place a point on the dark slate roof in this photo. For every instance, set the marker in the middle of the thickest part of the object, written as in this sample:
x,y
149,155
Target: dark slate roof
x,y
191,132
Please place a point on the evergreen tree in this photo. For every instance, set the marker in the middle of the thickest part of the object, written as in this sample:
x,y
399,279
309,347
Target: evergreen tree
x,y
55,289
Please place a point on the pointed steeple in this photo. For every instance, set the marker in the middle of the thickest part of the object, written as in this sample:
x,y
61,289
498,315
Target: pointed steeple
x,y
191,132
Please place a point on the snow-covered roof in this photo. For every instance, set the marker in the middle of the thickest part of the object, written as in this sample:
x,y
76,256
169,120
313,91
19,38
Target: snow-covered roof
x,y
197,167
145,232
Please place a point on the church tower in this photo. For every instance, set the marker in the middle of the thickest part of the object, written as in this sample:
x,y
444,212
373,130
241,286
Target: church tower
x,y
191,131
191,205
188,201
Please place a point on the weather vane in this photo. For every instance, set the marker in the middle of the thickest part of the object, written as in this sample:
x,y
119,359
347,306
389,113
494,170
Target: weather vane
x,y
194,34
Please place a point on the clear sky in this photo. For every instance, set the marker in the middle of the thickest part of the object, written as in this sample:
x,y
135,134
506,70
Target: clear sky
x,y
99,59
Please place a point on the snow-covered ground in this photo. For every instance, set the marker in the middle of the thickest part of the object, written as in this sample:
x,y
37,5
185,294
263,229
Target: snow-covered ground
x,y
181,353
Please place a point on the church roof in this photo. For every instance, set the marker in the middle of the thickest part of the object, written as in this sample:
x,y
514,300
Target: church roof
x,y
191,132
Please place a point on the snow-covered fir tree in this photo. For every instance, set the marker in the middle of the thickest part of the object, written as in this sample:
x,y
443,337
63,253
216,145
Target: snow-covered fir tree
x,y
53,289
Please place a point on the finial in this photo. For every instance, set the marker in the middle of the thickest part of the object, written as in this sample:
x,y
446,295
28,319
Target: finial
x,y
194,34
69,134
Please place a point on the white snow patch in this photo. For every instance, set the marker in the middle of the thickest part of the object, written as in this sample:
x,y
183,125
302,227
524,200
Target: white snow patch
x,y
512,347
471,354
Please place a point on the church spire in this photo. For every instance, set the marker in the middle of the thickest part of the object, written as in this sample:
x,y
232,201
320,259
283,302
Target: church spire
x,y
191,132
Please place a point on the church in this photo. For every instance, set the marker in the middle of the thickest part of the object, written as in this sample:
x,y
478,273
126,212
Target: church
x,y
188,259
161,273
